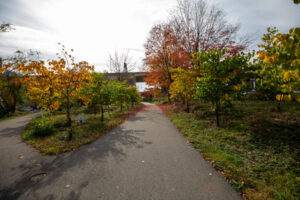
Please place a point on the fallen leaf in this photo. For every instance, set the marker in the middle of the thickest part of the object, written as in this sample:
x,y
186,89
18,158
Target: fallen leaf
x,y
221,172
67,186
20,157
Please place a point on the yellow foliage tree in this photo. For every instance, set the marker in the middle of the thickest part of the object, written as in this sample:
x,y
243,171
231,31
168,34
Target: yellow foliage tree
x,y
183,85
280,58
59,82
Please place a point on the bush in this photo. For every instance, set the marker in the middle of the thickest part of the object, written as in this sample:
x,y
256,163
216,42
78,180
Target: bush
x,y
42,127
163,100
147,98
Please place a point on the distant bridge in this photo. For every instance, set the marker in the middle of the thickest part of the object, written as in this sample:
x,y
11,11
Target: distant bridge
x,y
133,78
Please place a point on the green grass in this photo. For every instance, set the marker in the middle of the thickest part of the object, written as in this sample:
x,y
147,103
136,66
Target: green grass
x,y
83,133
256,148
160,100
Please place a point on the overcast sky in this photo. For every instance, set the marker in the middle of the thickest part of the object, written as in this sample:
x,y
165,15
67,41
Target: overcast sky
x,y
95,28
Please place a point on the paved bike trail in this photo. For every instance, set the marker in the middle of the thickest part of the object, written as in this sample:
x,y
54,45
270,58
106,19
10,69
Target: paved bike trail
x,y
146,158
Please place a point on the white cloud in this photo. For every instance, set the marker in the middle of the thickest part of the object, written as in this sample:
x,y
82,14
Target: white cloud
x,y
96,28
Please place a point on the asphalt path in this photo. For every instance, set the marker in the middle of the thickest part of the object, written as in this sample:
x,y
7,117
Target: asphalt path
x,y
144,158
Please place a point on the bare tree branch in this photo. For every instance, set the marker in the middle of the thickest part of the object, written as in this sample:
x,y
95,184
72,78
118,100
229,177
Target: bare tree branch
x,y
121,64
202,27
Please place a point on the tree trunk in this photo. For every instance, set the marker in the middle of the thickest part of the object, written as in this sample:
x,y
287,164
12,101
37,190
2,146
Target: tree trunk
x,y
13,107
102,113
69,122
95,110
121,107
70,134
187,106
279,103
5,111
217,114
278,106
6,106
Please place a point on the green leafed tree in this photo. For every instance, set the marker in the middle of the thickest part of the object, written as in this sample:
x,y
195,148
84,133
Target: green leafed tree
x,y
100,93
220,78
134,95
121,96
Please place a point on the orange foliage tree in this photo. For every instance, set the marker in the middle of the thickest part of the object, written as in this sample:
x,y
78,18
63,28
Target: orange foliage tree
x,y
163,53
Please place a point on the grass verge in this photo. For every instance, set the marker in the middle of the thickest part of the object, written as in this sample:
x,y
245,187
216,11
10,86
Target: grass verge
x,y
256,149
54,140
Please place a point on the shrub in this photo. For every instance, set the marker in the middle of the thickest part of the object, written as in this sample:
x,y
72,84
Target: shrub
x,y
42,127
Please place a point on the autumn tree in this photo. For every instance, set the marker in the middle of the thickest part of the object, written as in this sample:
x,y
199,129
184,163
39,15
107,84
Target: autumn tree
x,y
221,77
58,83
163,53
193,26
183,86
279,57
12,87
10,81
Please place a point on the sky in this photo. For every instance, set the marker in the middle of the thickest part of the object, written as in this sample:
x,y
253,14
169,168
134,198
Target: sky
x,y
97,28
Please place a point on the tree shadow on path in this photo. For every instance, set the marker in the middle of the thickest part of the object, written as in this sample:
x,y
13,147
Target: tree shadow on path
x,y
53,167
